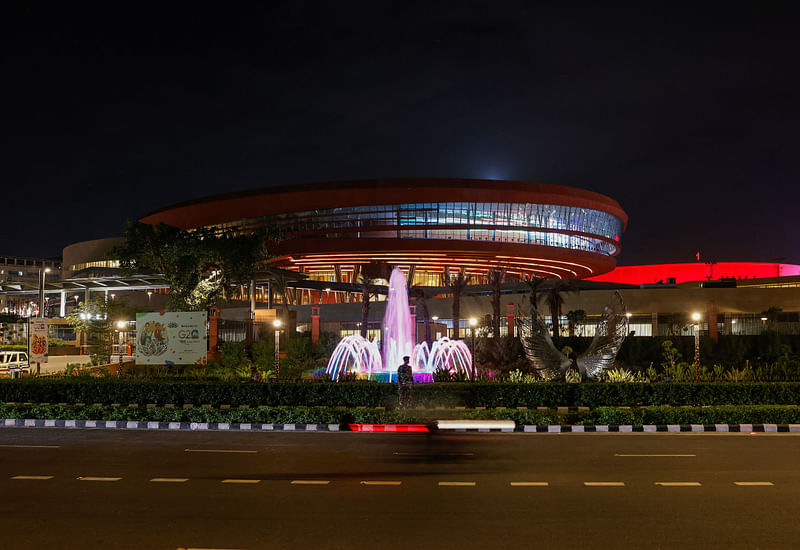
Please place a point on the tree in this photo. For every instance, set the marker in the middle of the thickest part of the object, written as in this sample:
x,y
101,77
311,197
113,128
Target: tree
x,y
457,285
199,265
422,294
534,285
368,291
772,317
96,319
496,279
553,295
574,317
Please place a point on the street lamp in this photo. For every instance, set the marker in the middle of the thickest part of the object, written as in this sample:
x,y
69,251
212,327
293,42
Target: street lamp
x,y
473,322
277,324
149,296
42,275
696,318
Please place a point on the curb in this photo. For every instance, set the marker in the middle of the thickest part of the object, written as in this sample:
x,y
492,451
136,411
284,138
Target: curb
x,y
661,428
553,428
136,425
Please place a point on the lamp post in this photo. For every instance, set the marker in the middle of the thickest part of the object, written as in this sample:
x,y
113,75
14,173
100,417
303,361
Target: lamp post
x,y
696,318
473,322
277,324
149,296
42,274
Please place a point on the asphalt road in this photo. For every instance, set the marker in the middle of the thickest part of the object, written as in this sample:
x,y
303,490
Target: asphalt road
x,y
150,490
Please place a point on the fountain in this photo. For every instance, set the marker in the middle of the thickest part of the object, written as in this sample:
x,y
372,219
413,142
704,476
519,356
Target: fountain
x,y
357,355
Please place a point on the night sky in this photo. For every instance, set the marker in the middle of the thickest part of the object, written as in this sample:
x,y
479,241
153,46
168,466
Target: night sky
x,y
687,116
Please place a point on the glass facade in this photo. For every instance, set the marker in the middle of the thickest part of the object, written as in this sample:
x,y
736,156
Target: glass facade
x,y
524,223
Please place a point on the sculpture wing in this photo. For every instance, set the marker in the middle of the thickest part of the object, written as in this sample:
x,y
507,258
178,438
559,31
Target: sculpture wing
x,y
609,334
548,362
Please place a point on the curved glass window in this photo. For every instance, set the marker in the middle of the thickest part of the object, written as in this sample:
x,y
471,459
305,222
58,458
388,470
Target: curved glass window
x,y
540,224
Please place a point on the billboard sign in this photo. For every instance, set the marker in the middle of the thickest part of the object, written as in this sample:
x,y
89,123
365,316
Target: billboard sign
x,y
37,331
171,338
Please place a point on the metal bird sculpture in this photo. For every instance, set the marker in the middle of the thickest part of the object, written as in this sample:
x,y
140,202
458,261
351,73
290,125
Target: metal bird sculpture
x,y
550,364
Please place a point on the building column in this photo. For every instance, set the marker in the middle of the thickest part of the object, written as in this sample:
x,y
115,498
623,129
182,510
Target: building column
x,y
315,324
62,308
711,315
510,318
654,324
413,310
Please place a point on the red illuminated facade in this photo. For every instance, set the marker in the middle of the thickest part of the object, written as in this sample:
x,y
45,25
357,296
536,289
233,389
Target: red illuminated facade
x,y
696,271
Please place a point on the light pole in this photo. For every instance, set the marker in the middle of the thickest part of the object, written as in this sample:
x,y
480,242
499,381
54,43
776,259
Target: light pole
x,y
696,318
473,322
42,274
149,296
277,324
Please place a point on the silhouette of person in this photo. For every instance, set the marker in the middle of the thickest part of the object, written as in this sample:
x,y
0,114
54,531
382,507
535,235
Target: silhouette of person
x,y
405,377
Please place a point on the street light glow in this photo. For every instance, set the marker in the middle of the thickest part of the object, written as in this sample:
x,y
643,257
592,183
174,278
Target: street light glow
x,y
696,316
473,321
121,324
276,323
435,318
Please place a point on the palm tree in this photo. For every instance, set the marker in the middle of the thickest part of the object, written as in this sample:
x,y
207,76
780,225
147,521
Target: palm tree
x,y
457,289
553,295
422,294
496,278
772,317
534,284
574,317
368,290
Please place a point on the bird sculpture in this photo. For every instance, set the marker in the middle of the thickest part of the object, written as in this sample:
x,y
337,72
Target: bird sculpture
x,y
551,364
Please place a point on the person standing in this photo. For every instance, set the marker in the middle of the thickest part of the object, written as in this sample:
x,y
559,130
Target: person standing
x,y
405,377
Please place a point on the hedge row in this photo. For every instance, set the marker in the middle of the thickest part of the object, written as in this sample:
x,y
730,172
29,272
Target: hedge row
x,y
373,394
729,414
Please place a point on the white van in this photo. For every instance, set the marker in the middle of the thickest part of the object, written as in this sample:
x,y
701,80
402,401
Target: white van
x,y
13,362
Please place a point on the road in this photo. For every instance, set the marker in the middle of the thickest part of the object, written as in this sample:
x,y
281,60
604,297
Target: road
x,y
149,490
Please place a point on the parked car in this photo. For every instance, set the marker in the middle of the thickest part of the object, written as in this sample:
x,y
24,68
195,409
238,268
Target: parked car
x,y
14,363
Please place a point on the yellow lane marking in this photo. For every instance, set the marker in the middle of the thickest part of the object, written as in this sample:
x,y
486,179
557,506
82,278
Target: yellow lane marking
x,y
381,482
604,484
668,455
169,479
678,483
244,481
457,484
309,482
754,483
219,451
33,477
30,446
90,478
529,484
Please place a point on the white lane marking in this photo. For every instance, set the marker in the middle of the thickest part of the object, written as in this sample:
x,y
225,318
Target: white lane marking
x,y
438,454
243,481
309,482
30,446
604,484
754,483
678,483
219,451
169,479
33,477
457,484
381,483
530,484
90,478
650,455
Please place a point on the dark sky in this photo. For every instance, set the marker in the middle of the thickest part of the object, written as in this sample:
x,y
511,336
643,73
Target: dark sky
x,y
687,115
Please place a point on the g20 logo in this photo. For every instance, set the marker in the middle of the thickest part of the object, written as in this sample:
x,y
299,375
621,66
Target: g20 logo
x,y
189,334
